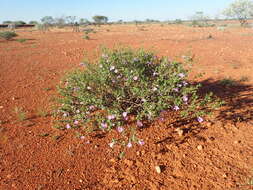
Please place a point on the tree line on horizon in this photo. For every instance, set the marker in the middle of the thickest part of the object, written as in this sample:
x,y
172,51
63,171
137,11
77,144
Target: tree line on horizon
x,y
242,10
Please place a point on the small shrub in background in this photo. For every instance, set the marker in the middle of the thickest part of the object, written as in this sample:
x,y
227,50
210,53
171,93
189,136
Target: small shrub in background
x,y
124,90
21,115
8,35
22,40
86,37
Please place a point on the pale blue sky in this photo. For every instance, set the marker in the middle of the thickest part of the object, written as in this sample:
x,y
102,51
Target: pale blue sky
x,y
114,9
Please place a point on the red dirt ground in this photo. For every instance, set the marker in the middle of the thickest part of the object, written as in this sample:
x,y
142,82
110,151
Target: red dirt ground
x,y
30,71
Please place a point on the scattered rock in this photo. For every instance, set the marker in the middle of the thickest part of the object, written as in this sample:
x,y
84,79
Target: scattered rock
x,y
211,138
1,107
200,147
158,169
81,181
112,160
237,142
8,176
180,132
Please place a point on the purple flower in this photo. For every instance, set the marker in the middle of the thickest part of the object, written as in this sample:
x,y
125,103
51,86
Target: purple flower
x,y
76,89
185,98
83,64
104,55
76,122
111,117
136,59
143,100
120,129
175,89
112,68
139,123
91,107
68,126
181,75
124,114
185,83
104,125
129,145
155,73
82,137
200,119
77,111
135,78
176,108
141,142
179,85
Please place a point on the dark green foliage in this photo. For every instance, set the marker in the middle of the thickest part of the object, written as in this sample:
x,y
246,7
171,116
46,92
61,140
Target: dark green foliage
x,y
7,35
128,85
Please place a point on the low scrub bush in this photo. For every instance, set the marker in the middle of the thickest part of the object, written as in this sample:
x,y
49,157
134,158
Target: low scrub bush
x,y
22,40
7,35
126,89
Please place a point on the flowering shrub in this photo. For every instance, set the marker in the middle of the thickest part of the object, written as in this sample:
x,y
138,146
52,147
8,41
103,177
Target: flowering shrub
x,y
125,89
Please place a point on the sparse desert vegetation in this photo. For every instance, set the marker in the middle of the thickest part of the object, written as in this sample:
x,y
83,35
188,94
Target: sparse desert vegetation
x,y
127,105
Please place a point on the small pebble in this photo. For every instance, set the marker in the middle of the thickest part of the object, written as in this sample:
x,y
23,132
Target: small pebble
x,y
180,132
237,142
1,107
200,147
158,169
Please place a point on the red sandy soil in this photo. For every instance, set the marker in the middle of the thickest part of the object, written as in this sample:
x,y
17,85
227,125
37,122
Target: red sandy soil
x,y
216,154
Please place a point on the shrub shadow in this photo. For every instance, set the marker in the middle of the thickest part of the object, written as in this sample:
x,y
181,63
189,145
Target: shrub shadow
x,y
238,99
238,108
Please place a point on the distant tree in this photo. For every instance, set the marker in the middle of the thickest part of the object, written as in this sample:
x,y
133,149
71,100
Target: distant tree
x,y
120,21
151,20
199,19
70,20
60,21
83,21
47,20
199,16
178,21
100,19
33,22
7,22
241,10
19,22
